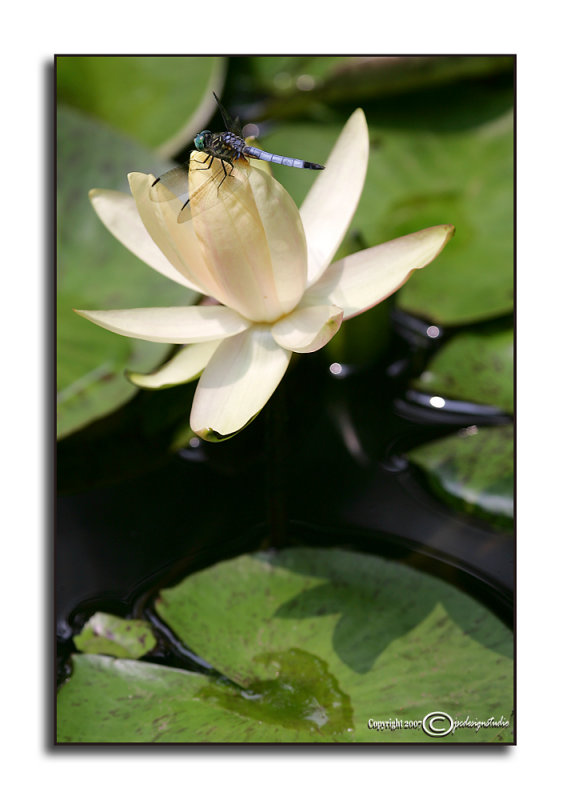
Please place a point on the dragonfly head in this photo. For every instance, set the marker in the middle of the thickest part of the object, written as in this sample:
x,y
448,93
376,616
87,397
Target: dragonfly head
x,y
200,140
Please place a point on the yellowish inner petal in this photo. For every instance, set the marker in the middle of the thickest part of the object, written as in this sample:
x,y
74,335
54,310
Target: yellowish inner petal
x,y
249,230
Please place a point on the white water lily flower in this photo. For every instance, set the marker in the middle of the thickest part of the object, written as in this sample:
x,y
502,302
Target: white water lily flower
x,y
266,264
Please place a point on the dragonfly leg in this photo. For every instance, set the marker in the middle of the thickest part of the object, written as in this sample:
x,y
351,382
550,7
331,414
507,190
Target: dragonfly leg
x,y
226,174
199,169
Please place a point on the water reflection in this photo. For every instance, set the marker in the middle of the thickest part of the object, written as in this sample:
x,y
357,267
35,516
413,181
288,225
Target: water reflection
x,y
437,402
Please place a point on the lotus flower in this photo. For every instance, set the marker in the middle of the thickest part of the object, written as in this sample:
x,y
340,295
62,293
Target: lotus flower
x,y
265,264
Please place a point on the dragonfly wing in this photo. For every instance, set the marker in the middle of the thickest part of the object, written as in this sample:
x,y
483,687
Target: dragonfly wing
x,y
220,181
237,127
224,184
174,182
232,125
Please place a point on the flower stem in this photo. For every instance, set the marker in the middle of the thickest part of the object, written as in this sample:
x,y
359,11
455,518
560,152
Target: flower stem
x,y
276,459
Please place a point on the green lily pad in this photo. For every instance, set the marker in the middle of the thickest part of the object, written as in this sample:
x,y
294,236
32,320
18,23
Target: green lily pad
x,y
114,700
365,76
326,79
473,471
473,366
95,271
157,100
422,173
313,645
109,635
468,175
284,75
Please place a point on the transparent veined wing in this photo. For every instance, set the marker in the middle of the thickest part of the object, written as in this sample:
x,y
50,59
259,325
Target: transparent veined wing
x,y
200,191
174,182
232,125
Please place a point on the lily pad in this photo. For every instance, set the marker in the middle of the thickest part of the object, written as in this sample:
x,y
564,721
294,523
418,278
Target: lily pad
x,y
115,700
473,366
286,75
159,101
313,645
95,271
465,178
473,471
298,82
109,635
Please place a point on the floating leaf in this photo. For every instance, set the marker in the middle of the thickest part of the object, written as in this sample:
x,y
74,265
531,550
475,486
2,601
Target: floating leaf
x,y
473,471
365,76
287,75
473,366
157,100
298,82
312,645
468,175
113,700
96,271
109,635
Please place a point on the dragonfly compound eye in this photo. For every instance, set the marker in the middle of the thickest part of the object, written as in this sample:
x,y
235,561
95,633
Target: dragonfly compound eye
x,y
199,142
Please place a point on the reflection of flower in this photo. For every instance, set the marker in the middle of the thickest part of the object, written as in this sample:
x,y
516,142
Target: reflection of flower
x,y
267,266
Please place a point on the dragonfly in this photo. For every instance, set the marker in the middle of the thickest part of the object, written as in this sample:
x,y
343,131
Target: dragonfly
x,y
227,146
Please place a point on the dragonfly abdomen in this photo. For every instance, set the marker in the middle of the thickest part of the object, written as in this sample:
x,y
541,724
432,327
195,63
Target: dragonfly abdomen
x,y
262,155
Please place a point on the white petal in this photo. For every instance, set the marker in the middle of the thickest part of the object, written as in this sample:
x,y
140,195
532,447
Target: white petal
x,y
284,232
240,378
118,212
308,329
184,366
178,325
363,279
332,201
